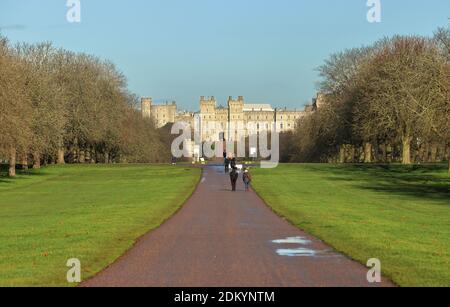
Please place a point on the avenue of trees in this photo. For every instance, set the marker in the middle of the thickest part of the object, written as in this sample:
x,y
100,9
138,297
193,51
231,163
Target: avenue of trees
x,y
57,106
389,102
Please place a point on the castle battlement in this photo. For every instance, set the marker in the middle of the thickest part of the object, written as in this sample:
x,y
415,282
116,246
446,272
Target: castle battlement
x,y
261,116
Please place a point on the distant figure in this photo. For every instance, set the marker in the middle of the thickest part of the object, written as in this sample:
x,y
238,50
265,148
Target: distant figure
x,y
234,175
247,177
174,161
227,165
233,162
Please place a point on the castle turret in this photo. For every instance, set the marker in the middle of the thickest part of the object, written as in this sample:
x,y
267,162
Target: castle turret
x,y
236,106
320,100
146,107
207,105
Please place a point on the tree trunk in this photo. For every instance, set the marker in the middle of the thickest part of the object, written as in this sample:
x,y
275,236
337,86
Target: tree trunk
x,y
24,161
74,155
434,150
36,160
12,162
106,157
93,155
367,153
352,154
389,153
421,153
426,153
60,159
81,157
87,155
383,153
342,154
376,153
406,150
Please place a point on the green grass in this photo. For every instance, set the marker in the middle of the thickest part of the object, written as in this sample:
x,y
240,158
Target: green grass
x,y
400,215
93,213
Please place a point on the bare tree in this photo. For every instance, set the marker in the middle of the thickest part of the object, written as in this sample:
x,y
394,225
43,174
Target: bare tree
x,y
14,126
46,97
404,91
56,104
340,83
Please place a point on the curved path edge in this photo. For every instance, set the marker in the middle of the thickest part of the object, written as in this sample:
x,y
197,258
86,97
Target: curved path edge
x,y
220,238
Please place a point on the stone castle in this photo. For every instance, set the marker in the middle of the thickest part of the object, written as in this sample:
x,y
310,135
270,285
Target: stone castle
x,y
217,120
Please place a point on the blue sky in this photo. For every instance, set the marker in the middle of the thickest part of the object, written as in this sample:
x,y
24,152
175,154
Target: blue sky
x,y
265,50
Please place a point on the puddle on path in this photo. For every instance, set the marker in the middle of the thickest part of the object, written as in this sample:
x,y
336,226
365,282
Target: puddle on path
x,y
297,252
293,240
300,251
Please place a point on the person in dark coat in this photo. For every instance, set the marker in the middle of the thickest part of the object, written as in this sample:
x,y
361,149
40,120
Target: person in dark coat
x,y
227,165
233,162
234,176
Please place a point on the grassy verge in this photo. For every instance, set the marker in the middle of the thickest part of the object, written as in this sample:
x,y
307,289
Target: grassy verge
x,y
93,213
400,215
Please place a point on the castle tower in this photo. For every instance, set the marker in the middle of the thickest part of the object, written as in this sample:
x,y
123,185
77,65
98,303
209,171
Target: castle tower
x,y
236,108
208,117
146,107
235,118
320,100
207,105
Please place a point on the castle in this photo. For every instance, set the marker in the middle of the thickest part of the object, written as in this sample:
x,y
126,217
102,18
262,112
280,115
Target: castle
x,y
220,123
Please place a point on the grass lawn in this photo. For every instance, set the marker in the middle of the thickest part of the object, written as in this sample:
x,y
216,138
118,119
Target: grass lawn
x,y
93,213
400,215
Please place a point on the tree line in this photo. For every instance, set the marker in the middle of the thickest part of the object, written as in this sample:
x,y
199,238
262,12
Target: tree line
x,y
388,102
58,106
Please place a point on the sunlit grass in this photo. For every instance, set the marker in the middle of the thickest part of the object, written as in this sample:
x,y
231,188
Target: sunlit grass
x,y
93,213
400,215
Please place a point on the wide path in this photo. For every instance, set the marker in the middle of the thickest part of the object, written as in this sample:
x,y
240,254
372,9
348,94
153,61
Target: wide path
x,y
225,239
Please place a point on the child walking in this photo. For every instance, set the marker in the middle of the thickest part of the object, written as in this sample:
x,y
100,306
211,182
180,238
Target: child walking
x,y
247,177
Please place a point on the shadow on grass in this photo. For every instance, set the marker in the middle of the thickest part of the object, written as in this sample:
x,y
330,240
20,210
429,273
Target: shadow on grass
x,y
419,181
21,175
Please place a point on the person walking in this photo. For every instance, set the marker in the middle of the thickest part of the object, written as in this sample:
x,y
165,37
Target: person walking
x,y
227,165
234,176
233,162
247,177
